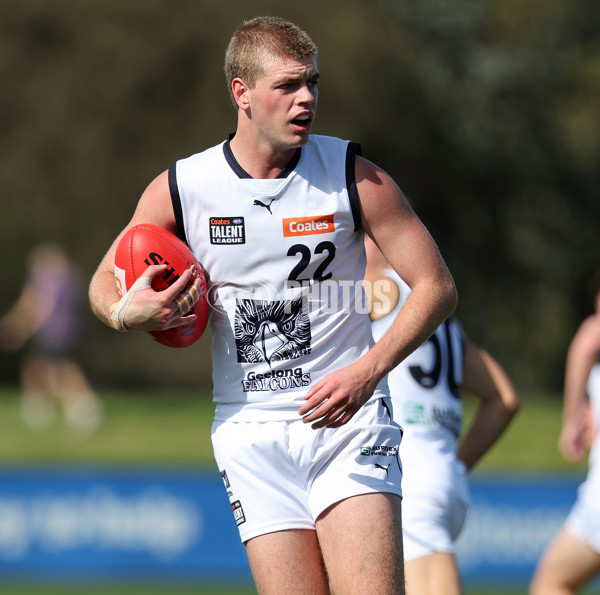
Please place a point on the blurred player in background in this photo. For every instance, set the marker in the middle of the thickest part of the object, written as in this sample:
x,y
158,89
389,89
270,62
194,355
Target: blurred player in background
x,y
425,389
572,558
302,434
49,312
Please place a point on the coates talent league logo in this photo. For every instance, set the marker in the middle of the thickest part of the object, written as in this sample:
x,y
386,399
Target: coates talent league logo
x,y
227,230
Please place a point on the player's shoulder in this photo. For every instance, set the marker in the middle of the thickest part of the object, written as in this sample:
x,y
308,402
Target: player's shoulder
x,y
158,187
326,139
329,143
203,155
329,154
374,184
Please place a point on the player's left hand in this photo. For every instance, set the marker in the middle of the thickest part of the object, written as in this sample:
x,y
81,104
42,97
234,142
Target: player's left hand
x,y
333,401
144,309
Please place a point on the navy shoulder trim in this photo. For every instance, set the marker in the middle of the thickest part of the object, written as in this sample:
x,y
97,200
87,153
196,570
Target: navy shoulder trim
x,y
176,202
351,153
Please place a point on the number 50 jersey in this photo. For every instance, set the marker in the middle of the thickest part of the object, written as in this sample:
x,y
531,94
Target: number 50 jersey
x,y
425,391
285,260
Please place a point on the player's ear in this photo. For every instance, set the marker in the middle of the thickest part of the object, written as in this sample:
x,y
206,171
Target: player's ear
x,y
239,90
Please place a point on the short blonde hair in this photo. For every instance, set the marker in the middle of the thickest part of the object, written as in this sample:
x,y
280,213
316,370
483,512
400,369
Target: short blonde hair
x,y
261,38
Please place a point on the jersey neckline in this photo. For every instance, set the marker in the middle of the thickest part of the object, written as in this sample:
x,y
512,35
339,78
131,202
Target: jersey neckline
x,y
243,174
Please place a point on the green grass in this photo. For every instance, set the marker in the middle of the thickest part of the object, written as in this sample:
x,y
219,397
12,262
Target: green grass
x,y
139,428
530,442
146,428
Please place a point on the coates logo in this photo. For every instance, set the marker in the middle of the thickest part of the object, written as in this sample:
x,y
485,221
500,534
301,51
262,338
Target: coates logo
x,y
308,226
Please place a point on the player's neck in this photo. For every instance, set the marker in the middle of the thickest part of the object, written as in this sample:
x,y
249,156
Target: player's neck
x,y
260,159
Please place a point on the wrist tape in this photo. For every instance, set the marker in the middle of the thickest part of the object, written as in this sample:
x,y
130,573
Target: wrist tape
x,y
118,310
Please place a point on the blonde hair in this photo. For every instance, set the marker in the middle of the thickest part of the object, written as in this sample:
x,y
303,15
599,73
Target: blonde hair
x,y
256,41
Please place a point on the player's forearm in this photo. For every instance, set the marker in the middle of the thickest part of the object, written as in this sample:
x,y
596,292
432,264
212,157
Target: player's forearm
x,y
416,321
490,422
485,378
102,293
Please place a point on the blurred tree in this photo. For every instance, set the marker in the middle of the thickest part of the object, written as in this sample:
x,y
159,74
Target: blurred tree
x,y
502,171
485,113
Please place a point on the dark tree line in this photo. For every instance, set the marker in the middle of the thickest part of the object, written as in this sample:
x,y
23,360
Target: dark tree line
x,y
484,112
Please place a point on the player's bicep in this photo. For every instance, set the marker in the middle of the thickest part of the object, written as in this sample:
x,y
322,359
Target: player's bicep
x,y
382,203
155,205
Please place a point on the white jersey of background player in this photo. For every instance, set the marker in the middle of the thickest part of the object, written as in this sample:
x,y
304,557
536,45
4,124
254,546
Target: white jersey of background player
x,y
572,558
426,396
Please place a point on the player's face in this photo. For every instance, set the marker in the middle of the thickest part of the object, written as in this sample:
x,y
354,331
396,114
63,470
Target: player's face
x,y
283,103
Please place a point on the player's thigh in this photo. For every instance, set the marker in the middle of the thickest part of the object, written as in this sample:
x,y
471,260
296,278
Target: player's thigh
x,y
361,543
433,574
566,564
287,562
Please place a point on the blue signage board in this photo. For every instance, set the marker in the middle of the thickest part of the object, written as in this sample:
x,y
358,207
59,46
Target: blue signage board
x,y
91,523
118,524
511,520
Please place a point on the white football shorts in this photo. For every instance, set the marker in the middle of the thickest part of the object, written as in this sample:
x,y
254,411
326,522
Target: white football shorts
x,y
584,519
433,516
283,474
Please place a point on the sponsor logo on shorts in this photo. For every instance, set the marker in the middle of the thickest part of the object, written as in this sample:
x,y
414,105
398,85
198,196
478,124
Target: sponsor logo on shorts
x,y
227,230
238,512
386,468
308,226
372,451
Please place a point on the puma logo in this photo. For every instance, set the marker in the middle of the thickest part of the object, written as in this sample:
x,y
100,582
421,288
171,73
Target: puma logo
x,y
258,203
385,468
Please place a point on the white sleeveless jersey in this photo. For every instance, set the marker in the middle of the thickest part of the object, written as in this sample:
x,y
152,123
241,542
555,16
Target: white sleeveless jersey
x,y
593,390
285,260
425,392
583,518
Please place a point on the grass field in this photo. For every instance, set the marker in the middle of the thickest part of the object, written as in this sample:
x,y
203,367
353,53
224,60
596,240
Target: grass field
x,y
145,428
155,429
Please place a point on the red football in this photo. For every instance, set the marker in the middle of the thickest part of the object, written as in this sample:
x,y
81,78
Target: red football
x,y
147,244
